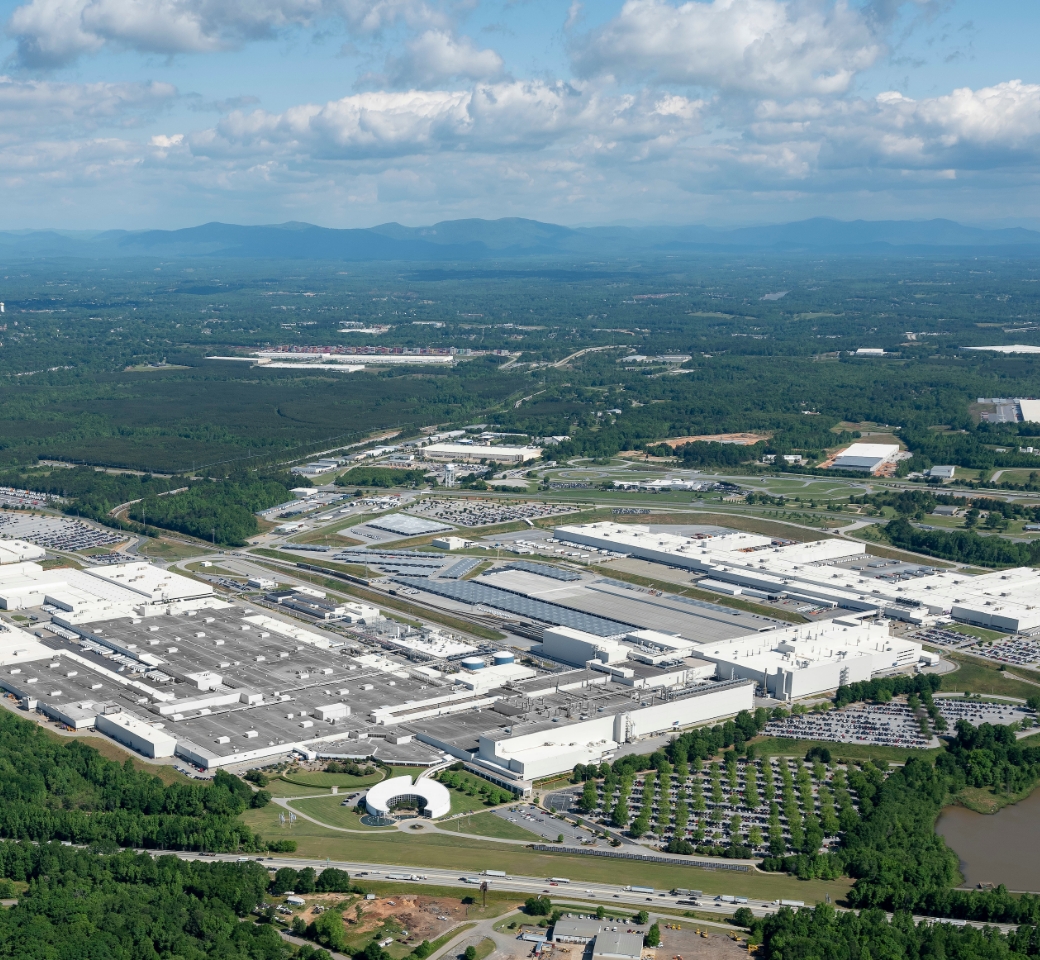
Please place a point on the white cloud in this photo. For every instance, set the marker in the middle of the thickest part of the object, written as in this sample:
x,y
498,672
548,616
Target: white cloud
x,y
436,56
492,117
28,106
52,33
772,47
992,128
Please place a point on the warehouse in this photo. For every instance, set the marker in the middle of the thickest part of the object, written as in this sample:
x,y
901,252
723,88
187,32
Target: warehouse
x,y
866,457
476,452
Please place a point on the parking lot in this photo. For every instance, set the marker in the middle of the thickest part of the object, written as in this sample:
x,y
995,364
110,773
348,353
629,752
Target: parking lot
x,y
540,823
481,513
938,637
888,725
1017,651
977,712
57,533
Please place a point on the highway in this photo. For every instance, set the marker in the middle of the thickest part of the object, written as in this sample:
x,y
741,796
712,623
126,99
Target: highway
x,y
606,894
568,892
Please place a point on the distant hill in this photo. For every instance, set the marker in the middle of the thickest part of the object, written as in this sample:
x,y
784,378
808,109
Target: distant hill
x,y
513,237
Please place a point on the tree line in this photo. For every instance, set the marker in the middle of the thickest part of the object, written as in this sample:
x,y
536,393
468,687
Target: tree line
x,y
53,789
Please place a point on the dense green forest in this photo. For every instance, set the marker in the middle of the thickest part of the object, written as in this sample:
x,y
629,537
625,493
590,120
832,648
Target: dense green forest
x,y
380,477
828,934
82,906
221,512
53,789
224,512
106,363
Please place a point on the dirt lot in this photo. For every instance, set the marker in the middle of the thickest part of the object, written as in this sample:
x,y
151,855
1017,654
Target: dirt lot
x,y
688,944
416,914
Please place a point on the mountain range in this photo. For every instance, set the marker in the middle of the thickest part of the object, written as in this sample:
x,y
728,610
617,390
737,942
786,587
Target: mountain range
x,y
470,240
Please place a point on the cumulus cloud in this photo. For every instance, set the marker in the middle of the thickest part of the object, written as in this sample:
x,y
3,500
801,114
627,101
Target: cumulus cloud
x,y
987,128
771,47
489,118
51,33
436,56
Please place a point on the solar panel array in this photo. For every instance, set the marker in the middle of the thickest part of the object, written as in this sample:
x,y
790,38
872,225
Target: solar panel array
x,y
461,568
390,556
545,570
469,591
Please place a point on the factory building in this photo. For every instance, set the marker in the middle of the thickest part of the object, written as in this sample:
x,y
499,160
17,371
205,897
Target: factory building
x,y
833,573
807,660
156,662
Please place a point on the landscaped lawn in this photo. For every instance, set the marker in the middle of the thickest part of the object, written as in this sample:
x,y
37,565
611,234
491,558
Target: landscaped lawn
x,y
488,824
979,676
468,853
330,810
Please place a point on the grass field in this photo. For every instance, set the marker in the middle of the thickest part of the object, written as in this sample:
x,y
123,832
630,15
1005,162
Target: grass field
x,y
981,632
473,854
488,824
978,676
170,550
781,747
330,810
283,788
463,803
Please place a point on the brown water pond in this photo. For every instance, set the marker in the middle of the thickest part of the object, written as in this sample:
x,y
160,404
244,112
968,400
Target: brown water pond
x,y
1003,847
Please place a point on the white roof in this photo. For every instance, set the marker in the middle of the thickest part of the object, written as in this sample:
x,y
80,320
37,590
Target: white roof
x,y
153,583
1030,410
381,798
870,451
483,450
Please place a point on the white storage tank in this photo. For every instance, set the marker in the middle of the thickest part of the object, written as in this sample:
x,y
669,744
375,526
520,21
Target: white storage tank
x,y
473,663
503,657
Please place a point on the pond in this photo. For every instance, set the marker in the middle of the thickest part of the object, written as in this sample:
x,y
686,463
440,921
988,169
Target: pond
x,y
997,848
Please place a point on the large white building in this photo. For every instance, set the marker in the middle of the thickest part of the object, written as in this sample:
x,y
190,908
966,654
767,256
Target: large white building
x,y
540,748
832,573
866,457
97,593
473,452
806,660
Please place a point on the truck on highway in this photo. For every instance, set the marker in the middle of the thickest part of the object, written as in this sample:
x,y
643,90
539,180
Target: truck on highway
x,y
494,873
789,903
476,880
639,889
558,880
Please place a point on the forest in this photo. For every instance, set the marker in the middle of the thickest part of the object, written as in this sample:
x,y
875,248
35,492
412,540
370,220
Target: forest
x,y
79,905
63,789
107,363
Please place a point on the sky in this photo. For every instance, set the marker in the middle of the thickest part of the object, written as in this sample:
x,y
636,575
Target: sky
x,y
139,114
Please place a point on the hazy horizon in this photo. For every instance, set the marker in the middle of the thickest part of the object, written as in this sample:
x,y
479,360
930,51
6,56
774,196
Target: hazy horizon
x,y
133,114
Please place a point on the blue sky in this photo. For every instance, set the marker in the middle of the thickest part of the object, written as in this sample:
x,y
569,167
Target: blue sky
x,y
167,113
